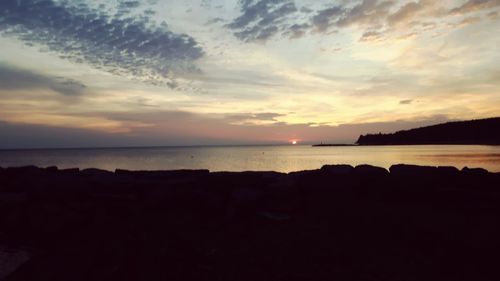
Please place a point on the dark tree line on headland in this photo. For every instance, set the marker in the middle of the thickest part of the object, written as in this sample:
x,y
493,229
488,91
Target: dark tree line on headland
x,y
484,131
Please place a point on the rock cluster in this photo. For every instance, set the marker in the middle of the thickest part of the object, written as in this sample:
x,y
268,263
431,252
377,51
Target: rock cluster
x,y
336,223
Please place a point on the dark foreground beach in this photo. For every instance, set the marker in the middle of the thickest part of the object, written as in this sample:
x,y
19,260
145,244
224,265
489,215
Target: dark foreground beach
x,y
335,223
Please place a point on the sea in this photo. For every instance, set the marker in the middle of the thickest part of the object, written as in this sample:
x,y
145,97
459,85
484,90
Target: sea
x,y
282,158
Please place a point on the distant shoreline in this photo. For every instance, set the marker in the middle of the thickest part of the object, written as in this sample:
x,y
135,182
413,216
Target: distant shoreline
x,y
474,132
333,144
409,144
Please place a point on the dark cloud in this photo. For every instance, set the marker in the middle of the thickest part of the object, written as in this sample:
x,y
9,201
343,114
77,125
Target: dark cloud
x,y
128,4
262,19
19,136
125,7
297,30
68,87
149,12
405,102
122,46
371,36
367,13
253,117
405,13
322,20
13,78
215,20
493,15
475,5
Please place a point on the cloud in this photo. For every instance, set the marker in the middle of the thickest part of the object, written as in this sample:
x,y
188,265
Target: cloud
x,y
405,102
405,13
16,135
253,118
186,128
215,20
297,30
122,46
493,15
13,78
260,20
371,36
367,12
128,4
475,5
378,19
321,21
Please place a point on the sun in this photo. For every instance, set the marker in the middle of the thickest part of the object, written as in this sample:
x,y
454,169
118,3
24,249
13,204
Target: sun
x,y
294,142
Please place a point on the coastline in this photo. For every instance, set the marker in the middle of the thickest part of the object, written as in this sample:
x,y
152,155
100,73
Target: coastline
x,y
405,223
404,144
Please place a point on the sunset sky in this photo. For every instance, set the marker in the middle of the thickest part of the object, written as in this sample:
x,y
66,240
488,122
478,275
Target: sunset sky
x,y
202,72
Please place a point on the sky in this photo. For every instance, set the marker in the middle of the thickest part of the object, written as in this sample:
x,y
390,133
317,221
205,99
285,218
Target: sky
x,y
77,73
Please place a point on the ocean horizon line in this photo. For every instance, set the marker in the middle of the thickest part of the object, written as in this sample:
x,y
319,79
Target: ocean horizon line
x,y
155,146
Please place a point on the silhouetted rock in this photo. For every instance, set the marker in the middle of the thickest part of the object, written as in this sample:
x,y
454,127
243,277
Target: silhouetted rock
x,y
448,171
337,169
402,170
52,169
70,171
162,174
474,171
334,223
95,173
370,171
25,170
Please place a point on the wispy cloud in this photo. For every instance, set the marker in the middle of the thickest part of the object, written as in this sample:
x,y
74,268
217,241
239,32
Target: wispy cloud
x,y
193,129
254,118
405,102
475,5
13,78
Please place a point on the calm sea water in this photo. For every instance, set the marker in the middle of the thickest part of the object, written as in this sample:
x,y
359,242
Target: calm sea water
x,y
255,158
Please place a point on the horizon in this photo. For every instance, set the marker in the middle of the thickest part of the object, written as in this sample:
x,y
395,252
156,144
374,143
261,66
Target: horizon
x,y
162,73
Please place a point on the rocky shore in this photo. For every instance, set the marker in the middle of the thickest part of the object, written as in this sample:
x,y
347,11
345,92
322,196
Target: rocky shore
x,y
334,223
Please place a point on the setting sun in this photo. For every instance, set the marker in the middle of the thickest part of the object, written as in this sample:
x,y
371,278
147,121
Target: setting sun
x,y
294,142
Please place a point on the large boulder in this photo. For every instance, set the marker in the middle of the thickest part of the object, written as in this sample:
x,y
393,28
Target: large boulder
x,y
474,171
337,169
70,171
23,171
403,170
96,173
370,172
161,175
447,171
52,169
